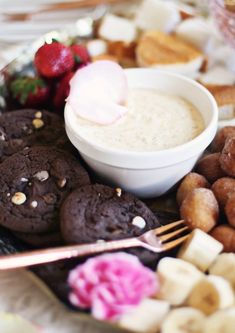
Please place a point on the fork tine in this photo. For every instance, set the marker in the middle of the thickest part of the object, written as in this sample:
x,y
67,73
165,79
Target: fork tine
x,y
172,234
167,227
174,243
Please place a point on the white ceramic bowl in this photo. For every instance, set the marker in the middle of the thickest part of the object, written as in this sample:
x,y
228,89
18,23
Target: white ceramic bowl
x,y
150,174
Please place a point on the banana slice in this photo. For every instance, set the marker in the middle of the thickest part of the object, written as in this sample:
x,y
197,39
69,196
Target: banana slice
x,y
146,317
225,266
177,279
12,323
200,249
184,320
221,322
211,294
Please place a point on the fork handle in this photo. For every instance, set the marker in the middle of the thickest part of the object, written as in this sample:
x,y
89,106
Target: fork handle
x,y
44,256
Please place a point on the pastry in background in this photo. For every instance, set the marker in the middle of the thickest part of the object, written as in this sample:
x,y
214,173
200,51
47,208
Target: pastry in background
x,y
169,52
225,98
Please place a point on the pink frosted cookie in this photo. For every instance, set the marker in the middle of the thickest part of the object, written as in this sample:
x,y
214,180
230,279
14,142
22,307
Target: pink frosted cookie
x,y
111,284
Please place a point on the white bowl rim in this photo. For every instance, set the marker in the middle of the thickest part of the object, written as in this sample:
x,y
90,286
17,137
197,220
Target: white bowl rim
x,y
179,148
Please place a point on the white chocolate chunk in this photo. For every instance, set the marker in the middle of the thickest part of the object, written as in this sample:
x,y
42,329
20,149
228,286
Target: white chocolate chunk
x,y
38,115
34,204
42,175
18,198
37,123
139,222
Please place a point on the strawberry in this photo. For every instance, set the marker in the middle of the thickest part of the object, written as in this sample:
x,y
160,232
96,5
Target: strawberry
x,y
53,60
81,55
30,91
62,91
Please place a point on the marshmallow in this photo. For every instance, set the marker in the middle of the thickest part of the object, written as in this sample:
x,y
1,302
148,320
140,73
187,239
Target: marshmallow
x,y
115,28
157,15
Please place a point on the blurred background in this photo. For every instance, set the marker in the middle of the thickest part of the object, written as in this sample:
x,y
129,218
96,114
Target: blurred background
x,y
22,21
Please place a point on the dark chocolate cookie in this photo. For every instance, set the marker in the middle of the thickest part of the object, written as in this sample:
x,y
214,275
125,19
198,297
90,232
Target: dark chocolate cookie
x,y
25,128
98,212
33,184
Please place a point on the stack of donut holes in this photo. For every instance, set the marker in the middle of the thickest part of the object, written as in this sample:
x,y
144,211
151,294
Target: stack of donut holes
x,y
206,197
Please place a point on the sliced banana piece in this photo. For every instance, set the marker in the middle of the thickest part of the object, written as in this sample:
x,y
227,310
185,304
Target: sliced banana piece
x,y
200,249
146,317
221,322
184,320
224,266
211,294
177,279
12,323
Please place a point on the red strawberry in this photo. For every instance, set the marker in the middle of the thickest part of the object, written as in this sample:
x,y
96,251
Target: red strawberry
x,y
80,54
53,60
62,91
30,91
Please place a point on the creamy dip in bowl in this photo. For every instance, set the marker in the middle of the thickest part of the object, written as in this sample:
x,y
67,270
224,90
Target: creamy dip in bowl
x,y
169,123
154,121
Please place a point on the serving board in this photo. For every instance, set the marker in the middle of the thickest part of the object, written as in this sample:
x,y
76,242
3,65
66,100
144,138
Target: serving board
x,y
55,275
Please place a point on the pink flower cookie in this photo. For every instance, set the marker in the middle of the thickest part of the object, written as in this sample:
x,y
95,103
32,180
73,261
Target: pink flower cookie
x,y
111,284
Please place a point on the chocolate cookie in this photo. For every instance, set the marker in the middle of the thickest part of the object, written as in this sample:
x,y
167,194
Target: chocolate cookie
x,y
98,212
33,184
25,128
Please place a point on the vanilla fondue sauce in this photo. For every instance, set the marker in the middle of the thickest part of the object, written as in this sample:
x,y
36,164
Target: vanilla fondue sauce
x,y
154,121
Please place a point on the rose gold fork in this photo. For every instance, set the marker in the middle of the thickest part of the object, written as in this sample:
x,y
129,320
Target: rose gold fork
x,y
156,240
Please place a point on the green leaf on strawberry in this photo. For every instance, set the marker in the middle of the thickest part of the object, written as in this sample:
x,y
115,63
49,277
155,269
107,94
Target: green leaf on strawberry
x,y
30,91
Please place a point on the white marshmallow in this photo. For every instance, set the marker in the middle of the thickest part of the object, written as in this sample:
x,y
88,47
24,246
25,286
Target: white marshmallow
x,y
196,31
96,47
226,112
115,28
218,75
157,15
